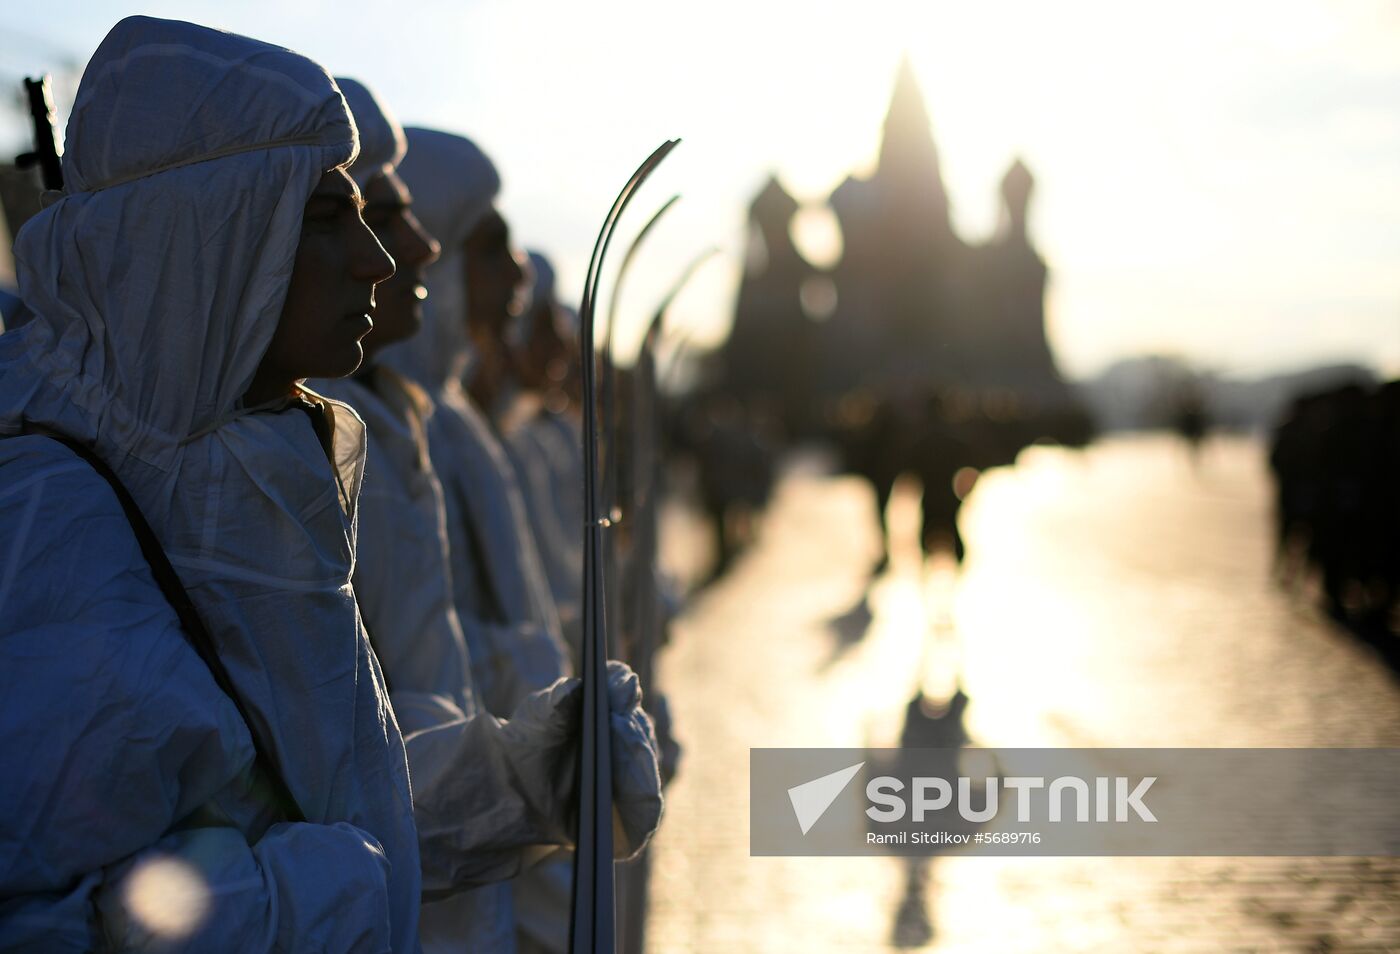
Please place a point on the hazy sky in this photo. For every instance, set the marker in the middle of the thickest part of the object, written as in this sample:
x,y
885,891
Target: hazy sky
x,y
1218,180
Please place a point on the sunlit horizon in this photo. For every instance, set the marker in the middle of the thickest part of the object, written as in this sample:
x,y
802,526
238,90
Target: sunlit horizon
x,y
1214,183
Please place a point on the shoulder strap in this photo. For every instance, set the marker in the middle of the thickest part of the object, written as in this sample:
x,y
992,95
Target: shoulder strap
x,y
190,622
325,433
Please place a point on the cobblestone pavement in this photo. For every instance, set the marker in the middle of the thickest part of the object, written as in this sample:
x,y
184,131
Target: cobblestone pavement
x,y
1113,597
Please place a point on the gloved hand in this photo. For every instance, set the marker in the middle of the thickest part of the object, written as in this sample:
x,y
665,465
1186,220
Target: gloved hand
x,y
636,779
541,744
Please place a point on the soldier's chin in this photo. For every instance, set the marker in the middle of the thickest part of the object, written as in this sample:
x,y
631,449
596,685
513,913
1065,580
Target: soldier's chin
x,y
345,362
395,325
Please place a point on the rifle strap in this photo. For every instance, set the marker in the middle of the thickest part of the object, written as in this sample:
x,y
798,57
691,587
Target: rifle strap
x,y
190,622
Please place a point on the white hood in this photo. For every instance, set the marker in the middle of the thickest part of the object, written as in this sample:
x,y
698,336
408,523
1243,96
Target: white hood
x,y
453,185
157,281
382,141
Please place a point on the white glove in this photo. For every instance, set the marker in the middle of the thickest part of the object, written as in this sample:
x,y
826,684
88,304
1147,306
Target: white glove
x,y
542,747
636,779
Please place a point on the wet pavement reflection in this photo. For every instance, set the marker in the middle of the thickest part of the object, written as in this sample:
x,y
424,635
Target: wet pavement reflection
x,y
1120,596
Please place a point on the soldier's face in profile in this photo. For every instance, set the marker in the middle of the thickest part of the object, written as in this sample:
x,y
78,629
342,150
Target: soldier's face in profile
x,y
398,308
330,295
494,275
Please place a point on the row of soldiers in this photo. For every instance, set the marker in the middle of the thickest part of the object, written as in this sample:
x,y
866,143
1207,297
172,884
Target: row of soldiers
x,y
1336,464
291,578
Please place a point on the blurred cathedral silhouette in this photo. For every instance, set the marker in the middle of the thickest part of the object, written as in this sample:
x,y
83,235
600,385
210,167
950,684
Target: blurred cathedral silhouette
x,y
919,313
933,359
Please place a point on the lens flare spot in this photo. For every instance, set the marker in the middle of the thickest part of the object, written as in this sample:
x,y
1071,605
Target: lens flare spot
x,y
166,897
964,480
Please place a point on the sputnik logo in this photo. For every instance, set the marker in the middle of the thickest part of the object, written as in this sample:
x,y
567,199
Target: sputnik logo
x,y
810,800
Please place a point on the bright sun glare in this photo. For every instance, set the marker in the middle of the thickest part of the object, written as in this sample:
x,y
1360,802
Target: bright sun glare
x,y
1212,180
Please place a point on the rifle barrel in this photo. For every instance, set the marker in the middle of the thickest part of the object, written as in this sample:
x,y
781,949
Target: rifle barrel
x,y
47,153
